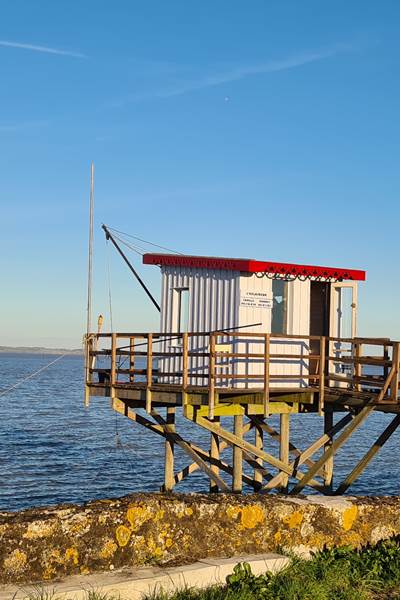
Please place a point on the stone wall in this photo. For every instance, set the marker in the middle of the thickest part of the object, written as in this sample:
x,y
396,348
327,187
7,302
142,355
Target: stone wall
x,y
49,543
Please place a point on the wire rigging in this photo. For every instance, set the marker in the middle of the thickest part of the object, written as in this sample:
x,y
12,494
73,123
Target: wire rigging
x,y
145,241
138,249
6,391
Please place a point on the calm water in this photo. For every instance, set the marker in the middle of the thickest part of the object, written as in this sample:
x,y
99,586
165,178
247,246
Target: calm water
x,y
54,450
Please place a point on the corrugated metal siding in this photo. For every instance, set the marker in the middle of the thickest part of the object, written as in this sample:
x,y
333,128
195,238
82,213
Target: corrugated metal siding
x,y
213,302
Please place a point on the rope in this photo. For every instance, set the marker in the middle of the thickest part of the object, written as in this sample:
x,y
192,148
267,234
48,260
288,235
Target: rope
x,y
4,392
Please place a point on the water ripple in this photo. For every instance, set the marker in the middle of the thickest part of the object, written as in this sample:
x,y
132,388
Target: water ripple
x,y
53,450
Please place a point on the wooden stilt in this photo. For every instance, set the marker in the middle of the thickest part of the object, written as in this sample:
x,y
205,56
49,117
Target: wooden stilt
x,y
284,448
359,468
276,436
235,440
343,437
169,480
215,456
188,447
328,467
237,455
305,455
259,443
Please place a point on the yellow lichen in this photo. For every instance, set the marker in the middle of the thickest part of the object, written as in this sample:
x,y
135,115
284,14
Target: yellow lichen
x,y
154,550
108,549
16,561
349,516
295,519
137,515
55,556
353,539
251,516
233,511
123,535
49,572
71,554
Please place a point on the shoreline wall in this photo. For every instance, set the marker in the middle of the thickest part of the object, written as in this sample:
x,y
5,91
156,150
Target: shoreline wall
x,y
45,544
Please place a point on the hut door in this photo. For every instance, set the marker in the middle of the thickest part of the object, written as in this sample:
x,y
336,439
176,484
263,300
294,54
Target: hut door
x,y
343,315
319,318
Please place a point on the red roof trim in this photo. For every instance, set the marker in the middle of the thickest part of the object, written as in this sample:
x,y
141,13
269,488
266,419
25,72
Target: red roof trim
x,y
252,266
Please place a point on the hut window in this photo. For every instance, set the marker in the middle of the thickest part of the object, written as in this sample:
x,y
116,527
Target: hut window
x,y
279,307
182,324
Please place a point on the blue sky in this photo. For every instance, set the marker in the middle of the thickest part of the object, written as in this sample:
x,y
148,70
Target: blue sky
x,y
262,129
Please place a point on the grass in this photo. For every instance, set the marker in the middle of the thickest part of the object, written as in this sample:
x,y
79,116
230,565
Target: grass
x,y
372,573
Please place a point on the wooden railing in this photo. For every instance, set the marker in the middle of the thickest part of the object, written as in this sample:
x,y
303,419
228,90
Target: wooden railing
x,y
223,360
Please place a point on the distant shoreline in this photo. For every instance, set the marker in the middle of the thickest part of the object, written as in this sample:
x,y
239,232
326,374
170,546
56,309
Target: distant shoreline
x,y
38,350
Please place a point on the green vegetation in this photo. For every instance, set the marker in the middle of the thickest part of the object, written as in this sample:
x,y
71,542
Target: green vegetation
x,y
372,573
339,574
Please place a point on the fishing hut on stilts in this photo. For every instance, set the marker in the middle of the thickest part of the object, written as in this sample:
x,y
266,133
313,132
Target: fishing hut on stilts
x,y
240,341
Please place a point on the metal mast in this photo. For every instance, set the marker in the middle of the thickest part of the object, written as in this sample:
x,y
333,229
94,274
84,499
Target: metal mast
x,y
90,253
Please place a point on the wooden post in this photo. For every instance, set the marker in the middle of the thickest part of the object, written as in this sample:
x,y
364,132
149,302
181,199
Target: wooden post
x,y
169,479
328,467
149,371
113,375
267,340
322,344
259,443
385,357
284,447
237,455
357,364
131,359
185,361
394,388
214,455
211,381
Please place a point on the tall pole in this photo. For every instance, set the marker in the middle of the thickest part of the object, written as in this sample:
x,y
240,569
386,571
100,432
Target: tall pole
x,y
90,253
88,343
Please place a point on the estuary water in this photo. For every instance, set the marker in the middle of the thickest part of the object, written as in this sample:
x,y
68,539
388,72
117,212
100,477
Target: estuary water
x,y
53,450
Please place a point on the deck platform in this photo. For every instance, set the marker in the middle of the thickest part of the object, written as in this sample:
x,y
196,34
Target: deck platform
x,y
149,380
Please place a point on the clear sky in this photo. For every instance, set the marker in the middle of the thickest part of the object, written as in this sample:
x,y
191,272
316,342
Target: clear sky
x,y
256,129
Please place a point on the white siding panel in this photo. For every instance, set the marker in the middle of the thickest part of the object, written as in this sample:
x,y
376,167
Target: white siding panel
x,y
298,323
208,310
214,303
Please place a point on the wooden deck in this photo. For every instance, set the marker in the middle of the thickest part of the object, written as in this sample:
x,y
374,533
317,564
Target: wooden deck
x,y
149,379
